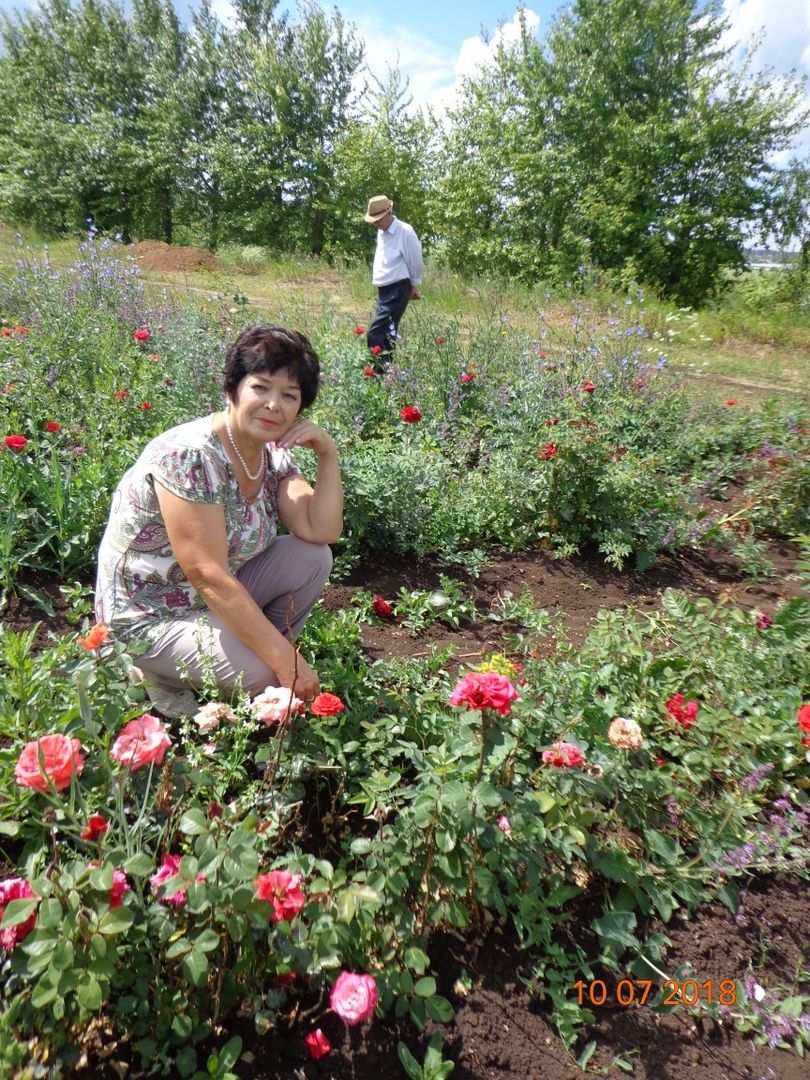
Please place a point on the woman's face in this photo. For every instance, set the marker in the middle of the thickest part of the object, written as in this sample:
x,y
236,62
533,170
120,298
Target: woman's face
x,y
265,406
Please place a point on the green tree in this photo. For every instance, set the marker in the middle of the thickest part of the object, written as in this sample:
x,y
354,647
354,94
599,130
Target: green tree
x,y
386,150
628,140
69,94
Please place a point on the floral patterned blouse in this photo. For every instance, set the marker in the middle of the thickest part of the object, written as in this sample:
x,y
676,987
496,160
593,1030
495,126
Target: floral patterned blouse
x,y
139,583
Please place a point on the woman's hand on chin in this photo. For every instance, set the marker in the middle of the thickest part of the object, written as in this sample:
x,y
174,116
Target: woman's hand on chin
x,y
307,434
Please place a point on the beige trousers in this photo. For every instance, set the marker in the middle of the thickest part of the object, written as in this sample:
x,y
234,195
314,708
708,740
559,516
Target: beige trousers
x,y
285,581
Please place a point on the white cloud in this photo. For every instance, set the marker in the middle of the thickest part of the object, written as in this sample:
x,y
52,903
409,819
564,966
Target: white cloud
x,y
434,73
782,25
781,30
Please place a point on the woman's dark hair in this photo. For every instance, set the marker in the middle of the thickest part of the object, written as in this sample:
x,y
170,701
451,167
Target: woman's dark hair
x,y
268,349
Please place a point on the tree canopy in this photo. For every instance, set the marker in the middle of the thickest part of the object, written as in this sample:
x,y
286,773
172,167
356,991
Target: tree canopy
x,y
626,141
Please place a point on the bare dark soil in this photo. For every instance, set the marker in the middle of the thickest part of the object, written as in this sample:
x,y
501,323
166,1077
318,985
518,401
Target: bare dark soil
x,y
502,1031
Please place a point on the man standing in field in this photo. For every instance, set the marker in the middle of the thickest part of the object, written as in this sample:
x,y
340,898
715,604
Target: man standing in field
x,y
397,272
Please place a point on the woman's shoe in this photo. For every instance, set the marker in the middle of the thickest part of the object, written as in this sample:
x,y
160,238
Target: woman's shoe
x,y
171,701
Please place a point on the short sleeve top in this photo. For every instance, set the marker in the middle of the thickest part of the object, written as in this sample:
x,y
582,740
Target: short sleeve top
x,y
140,583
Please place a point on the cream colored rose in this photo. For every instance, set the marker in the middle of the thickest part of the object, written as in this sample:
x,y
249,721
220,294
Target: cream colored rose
x,y
625,734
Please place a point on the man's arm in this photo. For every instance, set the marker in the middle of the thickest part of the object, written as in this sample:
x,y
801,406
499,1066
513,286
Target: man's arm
x,y
412,252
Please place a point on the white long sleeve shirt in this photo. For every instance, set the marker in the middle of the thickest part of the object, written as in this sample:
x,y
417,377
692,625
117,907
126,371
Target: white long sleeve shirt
x,y
398,255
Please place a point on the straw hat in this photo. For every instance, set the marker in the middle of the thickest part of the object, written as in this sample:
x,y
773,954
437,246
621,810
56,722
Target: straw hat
x,y
378,207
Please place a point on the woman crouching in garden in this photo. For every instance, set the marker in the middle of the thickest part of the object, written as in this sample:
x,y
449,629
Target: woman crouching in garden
x,y
190,563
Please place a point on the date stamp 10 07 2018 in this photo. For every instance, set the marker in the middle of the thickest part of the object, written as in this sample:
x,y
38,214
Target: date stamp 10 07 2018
x,y
674,992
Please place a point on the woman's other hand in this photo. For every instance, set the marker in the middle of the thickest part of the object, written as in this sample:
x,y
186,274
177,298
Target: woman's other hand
x,y
299,676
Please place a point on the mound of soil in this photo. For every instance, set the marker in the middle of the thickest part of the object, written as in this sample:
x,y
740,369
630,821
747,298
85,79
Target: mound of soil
x,y
157,255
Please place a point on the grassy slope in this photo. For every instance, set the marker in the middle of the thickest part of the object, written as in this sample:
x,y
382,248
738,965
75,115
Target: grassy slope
x,y
731,350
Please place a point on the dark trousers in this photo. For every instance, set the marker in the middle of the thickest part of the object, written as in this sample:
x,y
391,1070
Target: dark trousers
x,y
391,303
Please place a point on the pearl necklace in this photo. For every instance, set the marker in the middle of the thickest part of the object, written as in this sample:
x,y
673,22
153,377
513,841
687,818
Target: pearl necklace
x,y
236,450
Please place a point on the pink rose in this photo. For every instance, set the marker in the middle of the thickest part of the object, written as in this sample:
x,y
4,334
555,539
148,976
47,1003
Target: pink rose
x,y
485,690
143,741
275,704
120,885
169,869
764,621
15,889
504,825
563,755
317,1044
58,757
354,997
283,891
625,734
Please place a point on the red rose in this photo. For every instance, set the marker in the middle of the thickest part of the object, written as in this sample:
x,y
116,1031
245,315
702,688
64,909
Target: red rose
x,y
682,712
543,355
552,423
141,335
410,415
7,331
282,890
731,401
121,395
764,621
381,608
369,372
588,386
468,376
52,426
803,716
563,755
96,828
167,381
16,442
549,452
327,705
376,350
144,405
440,341
359,330
20,329
318,1045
